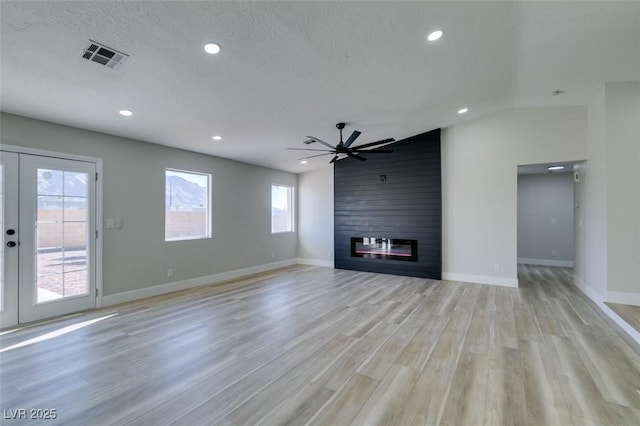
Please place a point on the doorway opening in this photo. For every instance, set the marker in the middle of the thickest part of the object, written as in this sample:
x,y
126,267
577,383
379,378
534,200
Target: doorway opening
x,y
546,214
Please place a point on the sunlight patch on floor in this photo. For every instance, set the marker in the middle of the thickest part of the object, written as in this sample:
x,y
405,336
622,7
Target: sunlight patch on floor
x,y
57,333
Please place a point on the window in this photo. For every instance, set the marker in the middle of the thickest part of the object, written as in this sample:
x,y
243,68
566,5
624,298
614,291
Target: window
x,y
187,205
281,209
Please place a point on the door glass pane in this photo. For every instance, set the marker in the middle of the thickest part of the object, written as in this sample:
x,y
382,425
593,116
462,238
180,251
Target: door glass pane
x,y
75,283
49,182
49,221
75,253
75,260
75,184
49,209
75,208
49,261
62,238
50,287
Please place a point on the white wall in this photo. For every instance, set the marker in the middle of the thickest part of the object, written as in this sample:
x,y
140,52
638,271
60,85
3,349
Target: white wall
x,y
136,257
315,207
591,215
545,219
608,217
623,190
479,184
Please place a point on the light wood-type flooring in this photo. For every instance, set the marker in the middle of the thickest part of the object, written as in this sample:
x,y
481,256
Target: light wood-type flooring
x,y
319,346
629,313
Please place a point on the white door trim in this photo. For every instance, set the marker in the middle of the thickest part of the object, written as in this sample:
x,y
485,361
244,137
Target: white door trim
x,y
11,220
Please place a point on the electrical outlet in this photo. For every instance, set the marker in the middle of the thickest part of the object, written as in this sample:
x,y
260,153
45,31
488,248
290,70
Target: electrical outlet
x,y
169,272
554,253
273,254
496,267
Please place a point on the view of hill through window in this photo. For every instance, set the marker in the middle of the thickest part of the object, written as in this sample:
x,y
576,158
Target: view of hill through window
x,y
187,205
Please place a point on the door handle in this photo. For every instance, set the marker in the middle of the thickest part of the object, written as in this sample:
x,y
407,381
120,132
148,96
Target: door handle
x,y
11,244
11,231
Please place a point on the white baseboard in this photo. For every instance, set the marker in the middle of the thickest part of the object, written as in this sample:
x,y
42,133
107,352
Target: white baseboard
x,y
590,292
546,262
157,290
315,262
623,298
597,299
481,279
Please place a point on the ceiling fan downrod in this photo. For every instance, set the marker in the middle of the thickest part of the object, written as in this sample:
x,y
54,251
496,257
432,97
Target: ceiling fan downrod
x,y
340,126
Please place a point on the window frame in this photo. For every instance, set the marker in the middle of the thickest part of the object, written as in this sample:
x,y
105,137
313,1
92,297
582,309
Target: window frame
x,y
292,209
209,207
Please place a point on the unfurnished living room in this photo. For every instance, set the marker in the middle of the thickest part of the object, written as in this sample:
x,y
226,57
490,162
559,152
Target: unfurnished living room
x,y
317,212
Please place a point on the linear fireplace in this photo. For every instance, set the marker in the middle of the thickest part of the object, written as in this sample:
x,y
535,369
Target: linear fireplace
x,y
384,248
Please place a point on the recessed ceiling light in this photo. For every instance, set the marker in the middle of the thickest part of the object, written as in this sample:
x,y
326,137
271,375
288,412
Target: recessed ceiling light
x,y
554,168
212,48
435,35
217,138
303,161
463,110
125,112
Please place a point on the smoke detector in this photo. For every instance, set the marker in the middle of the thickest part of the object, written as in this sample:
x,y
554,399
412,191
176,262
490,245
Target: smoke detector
x,y
104,55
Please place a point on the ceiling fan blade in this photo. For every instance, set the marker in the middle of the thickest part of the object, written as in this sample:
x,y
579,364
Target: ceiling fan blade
x,y
366,145
333,160
321,142
352,138
317,155
352,155
373,151
310,149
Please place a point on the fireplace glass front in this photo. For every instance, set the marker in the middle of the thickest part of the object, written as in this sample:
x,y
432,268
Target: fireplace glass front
x,y
384,248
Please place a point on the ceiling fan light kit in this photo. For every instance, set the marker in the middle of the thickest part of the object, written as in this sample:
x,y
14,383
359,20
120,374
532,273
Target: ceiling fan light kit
x,y
344,148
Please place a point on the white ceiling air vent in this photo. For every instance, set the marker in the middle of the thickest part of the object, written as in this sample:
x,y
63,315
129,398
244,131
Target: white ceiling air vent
x,y
102,54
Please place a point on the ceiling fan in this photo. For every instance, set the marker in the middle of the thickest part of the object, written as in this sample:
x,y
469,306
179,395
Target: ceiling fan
x,y
345,148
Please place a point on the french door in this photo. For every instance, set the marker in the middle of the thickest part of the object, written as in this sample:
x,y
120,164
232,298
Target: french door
x,y
48,222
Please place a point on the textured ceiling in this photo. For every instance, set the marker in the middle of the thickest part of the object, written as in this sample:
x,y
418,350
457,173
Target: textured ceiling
x,y
291,69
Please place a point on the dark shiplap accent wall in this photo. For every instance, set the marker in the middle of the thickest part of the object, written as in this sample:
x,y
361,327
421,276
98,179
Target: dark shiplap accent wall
x,y
407,205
